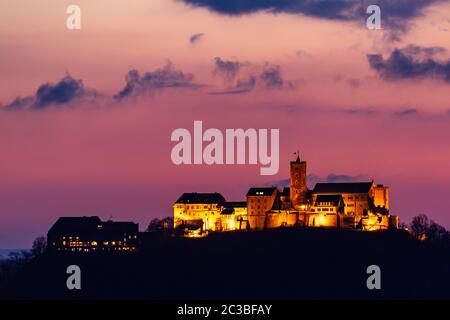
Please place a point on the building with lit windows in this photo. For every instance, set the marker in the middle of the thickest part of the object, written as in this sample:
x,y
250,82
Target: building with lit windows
x,y
90,234
352,205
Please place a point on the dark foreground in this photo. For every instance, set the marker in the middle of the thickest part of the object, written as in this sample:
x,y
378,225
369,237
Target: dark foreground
x,y
275,264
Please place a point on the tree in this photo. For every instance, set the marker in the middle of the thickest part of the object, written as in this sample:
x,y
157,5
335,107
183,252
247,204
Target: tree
x,y
160,224
436,232
167,223
39,246
420,226
154,225
423,228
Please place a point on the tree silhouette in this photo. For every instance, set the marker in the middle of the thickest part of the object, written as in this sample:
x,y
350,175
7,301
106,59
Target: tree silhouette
x,y
164,224
39,246
419,226
423,228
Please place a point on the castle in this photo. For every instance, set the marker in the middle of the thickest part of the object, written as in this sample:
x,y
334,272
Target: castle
x,y
351,205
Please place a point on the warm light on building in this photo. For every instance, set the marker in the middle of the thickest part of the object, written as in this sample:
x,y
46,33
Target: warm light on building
x,y
85,235
351,205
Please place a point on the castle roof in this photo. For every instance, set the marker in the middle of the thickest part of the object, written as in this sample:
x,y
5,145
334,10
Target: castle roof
x,y
90,226
335,199
261,191
195,197
65,223
343,187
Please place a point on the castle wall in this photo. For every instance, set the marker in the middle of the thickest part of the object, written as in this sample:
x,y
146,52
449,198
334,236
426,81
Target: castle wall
x,y
298,184
257,208
209,213
381,196
354,203
279,219
321,220
374,222
260,212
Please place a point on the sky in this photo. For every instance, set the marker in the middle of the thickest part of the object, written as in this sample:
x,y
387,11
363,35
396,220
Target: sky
x,y
86,115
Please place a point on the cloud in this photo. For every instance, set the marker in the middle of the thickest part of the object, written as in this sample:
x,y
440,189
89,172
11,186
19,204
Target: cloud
x,y
241,86
244,77
406,112
164,78
395,13
226,68
424,52
196,38
411,63
60,94
344,178
354,82
361,111
271,77
20,103
329,9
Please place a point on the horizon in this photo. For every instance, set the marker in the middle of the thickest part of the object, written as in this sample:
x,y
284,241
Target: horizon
x,y
86,121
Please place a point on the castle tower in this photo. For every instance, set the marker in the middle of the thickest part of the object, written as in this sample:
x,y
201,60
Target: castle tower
x,y
298,183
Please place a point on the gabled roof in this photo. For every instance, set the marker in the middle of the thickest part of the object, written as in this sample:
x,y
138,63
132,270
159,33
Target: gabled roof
x,y
335,199
261,191
70,220
68,223
195,197
344,187
89,225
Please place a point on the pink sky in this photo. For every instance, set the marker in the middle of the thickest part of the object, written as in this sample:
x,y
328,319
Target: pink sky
x,y
110,158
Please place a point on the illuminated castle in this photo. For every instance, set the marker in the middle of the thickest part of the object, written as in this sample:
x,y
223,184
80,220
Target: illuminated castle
x,y
352,205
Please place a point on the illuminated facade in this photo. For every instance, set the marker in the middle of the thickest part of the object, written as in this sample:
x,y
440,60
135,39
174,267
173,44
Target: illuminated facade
x,y
298,188
194,211
259,202
354,205
90,234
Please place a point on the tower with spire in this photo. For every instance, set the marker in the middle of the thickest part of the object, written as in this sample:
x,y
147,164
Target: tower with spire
x,y
298,186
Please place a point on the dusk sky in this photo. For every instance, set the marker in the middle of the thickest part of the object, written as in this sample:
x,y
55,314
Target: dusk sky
x,y
86,115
